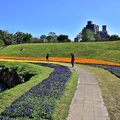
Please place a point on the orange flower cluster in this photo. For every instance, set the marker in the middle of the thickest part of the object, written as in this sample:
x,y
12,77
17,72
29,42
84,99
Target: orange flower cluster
x,y
67,60
85,61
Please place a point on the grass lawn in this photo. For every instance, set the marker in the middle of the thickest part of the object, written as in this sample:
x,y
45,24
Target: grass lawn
x,y
108,51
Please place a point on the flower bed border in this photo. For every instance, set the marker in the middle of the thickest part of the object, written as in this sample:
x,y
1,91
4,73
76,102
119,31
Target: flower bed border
x,y
57,59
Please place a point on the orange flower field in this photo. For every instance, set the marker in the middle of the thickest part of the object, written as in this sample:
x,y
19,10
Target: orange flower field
x,y
56,59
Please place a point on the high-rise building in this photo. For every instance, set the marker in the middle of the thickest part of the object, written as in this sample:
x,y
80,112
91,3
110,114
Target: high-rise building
x,y
104,28
95,29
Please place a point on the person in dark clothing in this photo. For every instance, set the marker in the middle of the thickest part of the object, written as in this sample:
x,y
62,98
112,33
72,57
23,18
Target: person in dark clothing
x,y
72,59
47,57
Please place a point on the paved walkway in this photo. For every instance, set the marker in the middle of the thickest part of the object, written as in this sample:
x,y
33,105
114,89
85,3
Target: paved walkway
x,y
87,103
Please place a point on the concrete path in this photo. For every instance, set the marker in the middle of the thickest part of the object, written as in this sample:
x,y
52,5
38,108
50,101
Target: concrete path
x,y
87,103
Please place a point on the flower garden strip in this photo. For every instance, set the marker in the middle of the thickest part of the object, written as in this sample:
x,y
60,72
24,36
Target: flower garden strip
x,y
110,66
113,69
67,60
41,100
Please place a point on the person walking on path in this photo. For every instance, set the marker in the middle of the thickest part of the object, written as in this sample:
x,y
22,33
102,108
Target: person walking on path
x,y
72,59
47,57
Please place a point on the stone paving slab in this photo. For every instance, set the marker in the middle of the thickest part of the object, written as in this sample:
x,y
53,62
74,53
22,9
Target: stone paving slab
x,y
87,103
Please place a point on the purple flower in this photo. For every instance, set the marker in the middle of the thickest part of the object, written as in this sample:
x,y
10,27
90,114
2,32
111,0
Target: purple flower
x,y
41,100
113,69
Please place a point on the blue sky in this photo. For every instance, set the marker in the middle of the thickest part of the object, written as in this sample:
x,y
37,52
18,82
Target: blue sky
x,y
39,17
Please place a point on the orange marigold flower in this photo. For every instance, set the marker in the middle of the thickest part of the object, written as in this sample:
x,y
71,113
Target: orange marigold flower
x,y
67,60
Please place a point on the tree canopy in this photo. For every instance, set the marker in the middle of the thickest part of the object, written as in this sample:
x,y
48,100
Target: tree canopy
x,y
63,38
114,37
87,35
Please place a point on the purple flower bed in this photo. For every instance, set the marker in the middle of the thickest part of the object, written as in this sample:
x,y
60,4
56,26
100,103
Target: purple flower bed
x,y
41,100
113,69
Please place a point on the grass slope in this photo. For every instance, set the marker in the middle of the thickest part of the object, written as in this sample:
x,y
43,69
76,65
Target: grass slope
x,y
109,51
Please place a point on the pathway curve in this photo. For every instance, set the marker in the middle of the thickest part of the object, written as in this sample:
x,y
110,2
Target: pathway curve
x,y
87,103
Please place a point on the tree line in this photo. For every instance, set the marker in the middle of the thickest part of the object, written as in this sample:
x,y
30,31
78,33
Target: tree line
x,y
18,37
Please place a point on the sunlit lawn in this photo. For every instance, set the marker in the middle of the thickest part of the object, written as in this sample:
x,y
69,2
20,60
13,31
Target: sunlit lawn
x,y
106,51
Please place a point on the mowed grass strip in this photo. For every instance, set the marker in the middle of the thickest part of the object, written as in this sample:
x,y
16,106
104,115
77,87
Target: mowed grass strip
x,y
64,103
110,88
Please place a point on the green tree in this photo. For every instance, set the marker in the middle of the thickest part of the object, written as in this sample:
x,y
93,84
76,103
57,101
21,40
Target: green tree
x,y
97,37
114,37
87,35
27,38
50,38
43,38
4,37
19,37
63,38
53,36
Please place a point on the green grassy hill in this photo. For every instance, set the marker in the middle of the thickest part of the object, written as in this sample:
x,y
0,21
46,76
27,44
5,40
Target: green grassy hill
x,y
109,51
